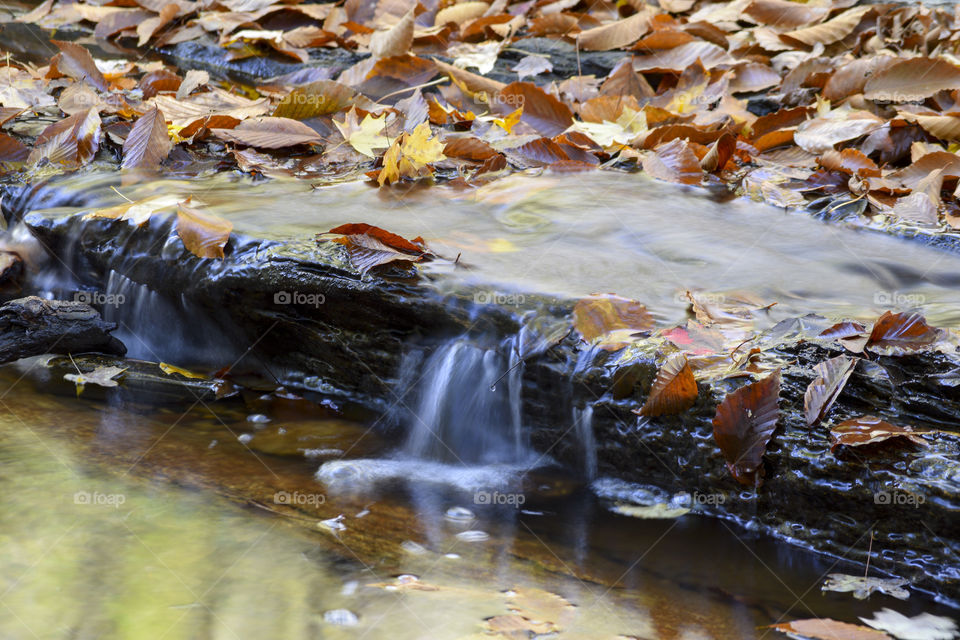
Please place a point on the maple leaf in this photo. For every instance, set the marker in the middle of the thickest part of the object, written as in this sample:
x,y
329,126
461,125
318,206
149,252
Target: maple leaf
x,y
364,136
420,148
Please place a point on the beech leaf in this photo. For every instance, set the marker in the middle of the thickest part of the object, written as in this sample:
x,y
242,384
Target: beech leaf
x,y
869,430
609,321
832,375
148,144
744,424
203,234
674,390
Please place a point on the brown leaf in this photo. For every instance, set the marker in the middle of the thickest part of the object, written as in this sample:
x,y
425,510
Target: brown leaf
x,y
369,246
72,142
541,110
912,80
161,80
912,176
119,21
469,148
319,98
832,375
542,152
148,27
945,127
616,35
827,629
12,150
900,333
843,330
783,119
673,391
852,76
785,14
75,61
870,429
609,320
147,144
203,234
269,132
917,207
850,162
674,162
744,424
396,40
820,134
686,55
832,30
471,82
720,152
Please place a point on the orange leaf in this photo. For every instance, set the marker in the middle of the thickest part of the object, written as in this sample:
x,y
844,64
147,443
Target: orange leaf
x,y
541,110
148,143
899,333
744,424
673,391
870,429
674,162
203,234
610,320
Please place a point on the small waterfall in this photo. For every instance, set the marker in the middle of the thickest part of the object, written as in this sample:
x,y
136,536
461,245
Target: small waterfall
x,y
583,428
463,404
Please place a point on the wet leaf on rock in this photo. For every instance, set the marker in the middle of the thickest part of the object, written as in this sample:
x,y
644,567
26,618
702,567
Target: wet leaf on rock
x,y
365,135
869,430
827,629
72,142
542,111
203,234
673,391
369,246
900,333
862,587
610,321
832,375
674,162
744,424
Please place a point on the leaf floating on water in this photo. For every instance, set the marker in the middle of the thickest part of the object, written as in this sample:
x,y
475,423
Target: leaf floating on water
x,y
832,375
900,333
925,626
862,587
869,430
101,376
610,321
364,136
673,391
541,606
744,424
148,143
170,369
827,629
203,234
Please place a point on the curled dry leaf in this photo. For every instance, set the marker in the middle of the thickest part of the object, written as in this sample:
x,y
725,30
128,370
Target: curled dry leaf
x,y
744,424
610,321
396,40
148,144
75,61
203,234
686,55
827,629
270,132
832,375
832,30
615,34
673,391
869,430
820,134
850,162
369,246
72,142
674,162
784,14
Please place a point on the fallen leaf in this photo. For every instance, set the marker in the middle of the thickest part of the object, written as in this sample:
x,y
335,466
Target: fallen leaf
x,y
785,14
615,35
396,40
674,162
820,134
925,626
532,66
850,162
912,80
609,321
75,61
102,376
900,333
831,376
686,55
72,142
369,246
674,390
203,234
862,587
656,511
827,629
869,430
744,424
364,136
147,28
171,369
270,132
148,144
832,30
541,110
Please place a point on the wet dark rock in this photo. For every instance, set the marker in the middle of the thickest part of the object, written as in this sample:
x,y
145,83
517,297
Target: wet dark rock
x,y
33,326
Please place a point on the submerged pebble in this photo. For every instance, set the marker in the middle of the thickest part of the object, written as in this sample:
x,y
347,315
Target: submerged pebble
x,y
245,437
459,514
473,536
413,548
341,617
257,418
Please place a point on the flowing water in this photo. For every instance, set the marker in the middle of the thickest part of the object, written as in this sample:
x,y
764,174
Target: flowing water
x,y
191,521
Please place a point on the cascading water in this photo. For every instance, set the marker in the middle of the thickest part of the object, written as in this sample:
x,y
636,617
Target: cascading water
x,y
465,405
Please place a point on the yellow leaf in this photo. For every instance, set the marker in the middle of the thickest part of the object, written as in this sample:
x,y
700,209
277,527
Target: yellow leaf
x,y
365,136
510,121
420,148
390,172
169,368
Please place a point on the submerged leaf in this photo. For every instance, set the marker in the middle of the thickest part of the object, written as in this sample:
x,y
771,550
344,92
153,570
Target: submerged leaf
x,y
827,629
609,321
832,375
673,391
203,234
863,586
869,430
744,424
369,246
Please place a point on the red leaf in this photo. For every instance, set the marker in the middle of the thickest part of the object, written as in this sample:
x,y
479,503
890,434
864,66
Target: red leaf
x,y
899,333
743,425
